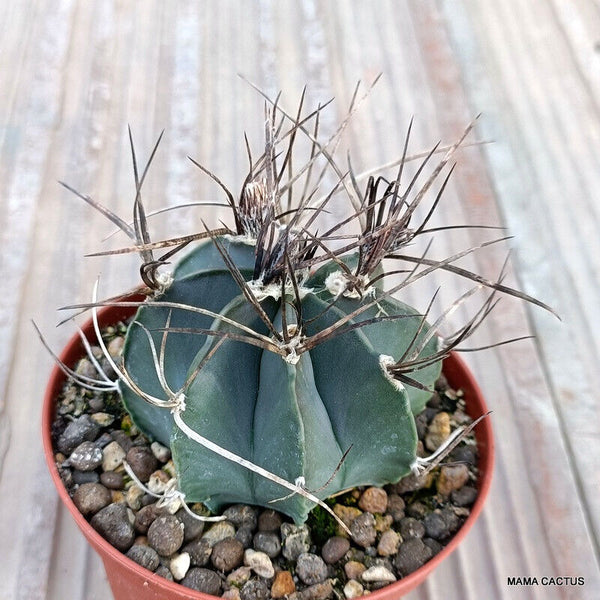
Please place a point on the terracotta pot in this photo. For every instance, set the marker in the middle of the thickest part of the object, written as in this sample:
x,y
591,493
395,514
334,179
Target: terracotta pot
x,y
128,580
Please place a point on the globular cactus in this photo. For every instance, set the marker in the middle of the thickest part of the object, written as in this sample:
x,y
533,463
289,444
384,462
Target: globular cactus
x,y
271,360
295,413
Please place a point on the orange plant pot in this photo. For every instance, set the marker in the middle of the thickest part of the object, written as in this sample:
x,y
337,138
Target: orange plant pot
x,y
129,580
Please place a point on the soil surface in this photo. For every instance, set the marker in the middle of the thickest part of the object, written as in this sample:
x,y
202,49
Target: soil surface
x,y
256,553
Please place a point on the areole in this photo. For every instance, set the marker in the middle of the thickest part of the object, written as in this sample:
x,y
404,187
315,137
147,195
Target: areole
x,y
128,580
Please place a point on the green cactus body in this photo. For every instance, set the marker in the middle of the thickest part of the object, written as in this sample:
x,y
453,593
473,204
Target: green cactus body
x,y
296,418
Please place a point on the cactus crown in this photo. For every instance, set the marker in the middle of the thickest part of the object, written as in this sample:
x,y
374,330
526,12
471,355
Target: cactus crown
x,y
272,360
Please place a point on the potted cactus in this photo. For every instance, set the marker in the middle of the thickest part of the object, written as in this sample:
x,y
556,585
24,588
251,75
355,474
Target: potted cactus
x,y
276,360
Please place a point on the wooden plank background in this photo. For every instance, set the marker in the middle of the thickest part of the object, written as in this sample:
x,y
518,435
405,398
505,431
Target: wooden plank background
x,y
74,74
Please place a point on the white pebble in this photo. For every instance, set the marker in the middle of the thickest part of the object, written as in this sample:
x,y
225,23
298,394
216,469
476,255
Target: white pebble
x,y
378,573
259,562
162,453
180,565
112,456
353,589
158,482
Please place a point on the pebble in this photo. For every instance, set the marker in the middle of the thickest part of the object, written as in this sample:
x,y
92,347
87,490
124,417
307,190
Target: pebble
x,y
162,453
411,528
245,535
158,482
203,580
218,532
164,572
269,520
374,500
388,543
103,440
134,496
396,506
363,530
347,514
319,591
334,549
436,526
259,562
452,478
103,419
353,589
112,480
199,552
296,540
465,453
115,346
96,403
283,585
86,457
412,554
227,554
383,522
81,477
119,436
239,577
438,431
267,542
354,569
144,556
254,590
192,528
412,483
417,510
142,462
89,498
165,534
145,517
232,594
465,496
114,525
433,544
378,573
421,424
82,429
311,568
179,565
242,515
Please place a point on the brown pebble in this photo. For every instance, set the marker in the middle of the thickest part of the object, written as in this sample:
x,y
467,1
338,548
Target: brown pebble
x,y
373,500
113,480
452,478
347,514
142,462
396,507
354,569
283,584
145,517
227,554
269,520
388,543
165,535
334,549
91,497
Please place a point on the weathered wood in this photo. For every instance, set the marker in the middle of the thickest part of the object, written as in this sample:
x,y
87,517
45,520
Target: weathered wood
x,y
73,75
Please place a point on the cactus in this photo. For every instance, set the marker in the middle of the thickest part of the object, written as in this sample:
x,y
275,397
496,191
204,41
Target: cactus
x,y
272,359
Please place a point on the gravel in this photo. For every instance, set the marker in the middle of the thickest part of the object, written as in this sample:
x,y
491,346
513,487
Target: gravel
x,y
256,553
